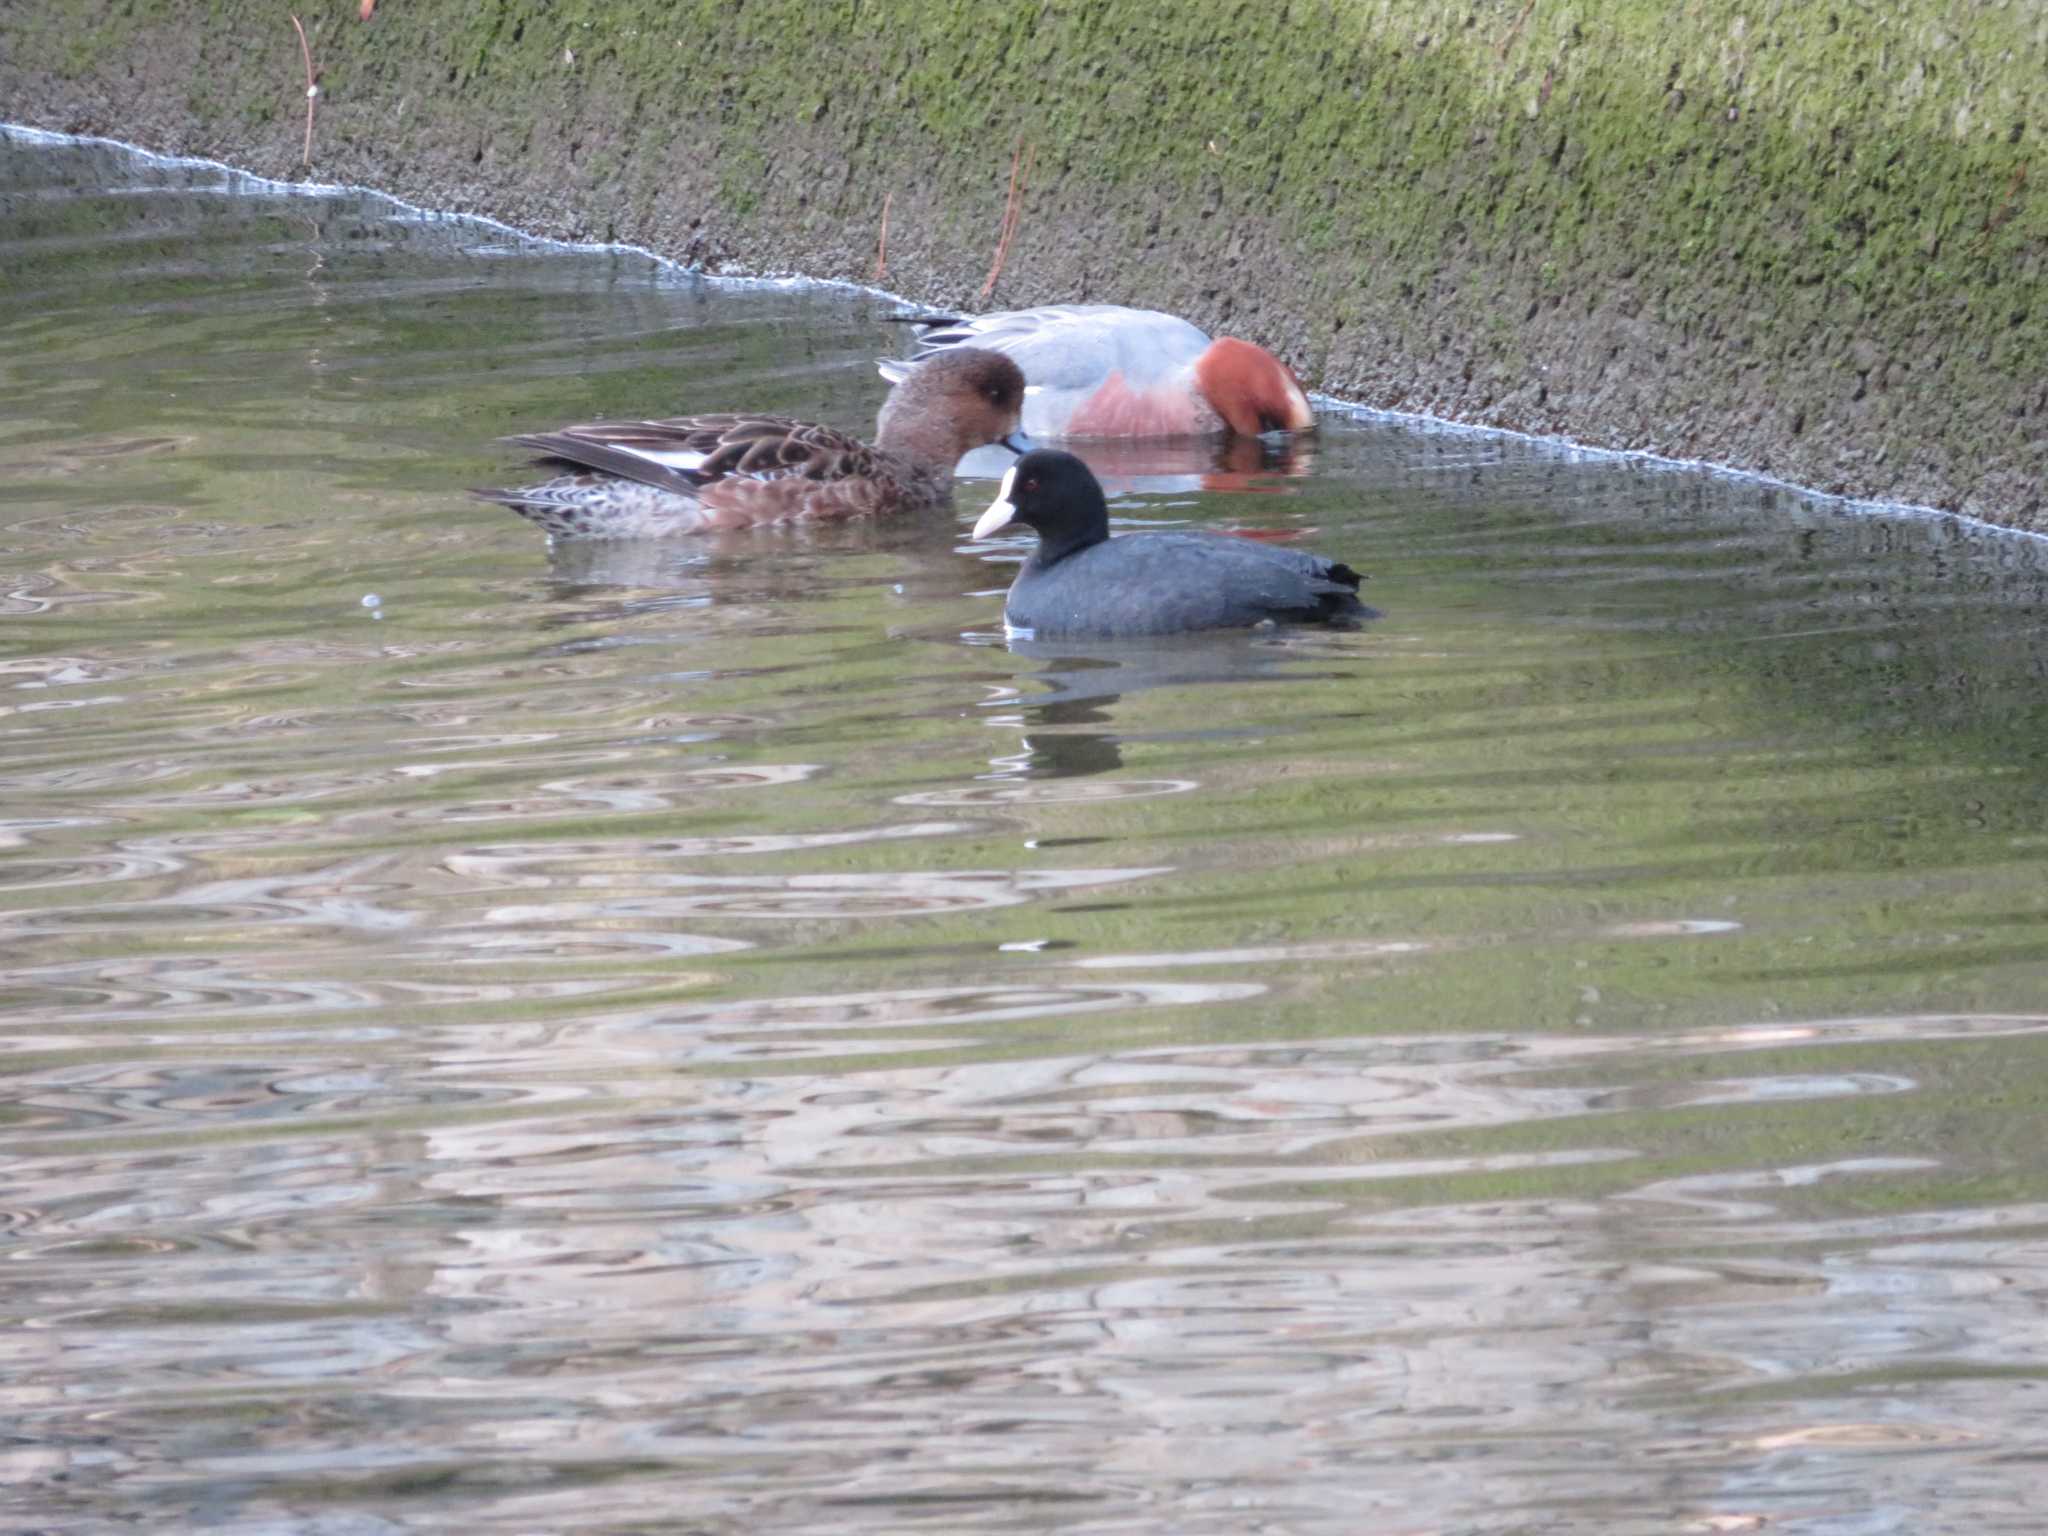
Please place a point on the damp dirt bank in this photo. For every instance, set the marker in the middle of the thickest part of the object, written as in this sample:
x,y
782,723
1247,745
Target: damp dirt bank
x,y
1808,239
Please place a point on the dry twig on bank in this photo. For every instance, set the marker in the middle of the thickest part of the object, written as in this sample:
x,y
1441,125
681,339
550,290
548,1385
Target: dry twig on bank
x,y
1514,31
312,90
1020,172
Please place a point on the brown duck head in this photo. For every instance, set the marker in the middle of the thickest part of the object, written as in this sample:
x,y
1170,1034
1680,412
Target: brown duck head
x,y
952,403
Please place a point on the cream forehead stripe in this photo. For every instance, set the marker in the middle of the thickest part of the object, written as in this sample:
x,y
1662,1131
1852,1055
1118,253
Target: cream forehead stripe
x,y
1001,510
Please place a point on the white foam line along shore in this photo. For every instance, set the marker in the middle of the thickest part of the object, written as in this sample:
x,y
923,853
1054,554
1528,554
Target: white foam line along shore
x,y
248,182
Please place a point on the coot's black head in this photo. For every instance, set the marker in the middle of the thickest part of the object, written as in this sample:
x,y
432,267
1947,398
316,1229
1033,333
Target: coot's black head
x,y
1055,494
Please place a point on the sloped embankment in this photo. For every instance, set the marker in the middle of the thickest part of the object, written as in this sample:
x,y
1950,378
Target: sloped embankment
x,y
1803,239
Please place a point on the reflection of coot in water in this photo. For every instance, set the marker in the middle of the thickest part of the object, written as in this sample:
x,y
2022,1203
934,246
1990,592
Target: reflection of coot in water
x,y
1084,681
1072,754
1083,678
1081,582
1053,751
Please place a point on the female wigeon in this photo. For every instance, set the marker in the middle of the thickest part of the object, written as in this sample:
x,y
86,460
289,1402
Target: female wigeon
x,y
1101,370
1081,583
700,474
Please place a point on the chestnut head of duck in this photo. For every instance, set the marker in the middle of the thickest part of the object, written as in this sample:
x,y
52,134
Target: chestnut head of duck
x,y
1251,389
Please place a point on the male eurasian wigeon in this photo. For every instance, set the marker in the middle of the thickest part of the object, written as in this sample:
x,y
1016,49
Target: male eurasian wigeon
x,y
1101,370
1081,583
701,474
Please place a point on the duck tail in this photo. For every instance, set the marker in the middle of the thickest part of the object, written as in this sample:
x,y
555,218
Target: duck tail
x,y
516,500
568,511
896,369
541,506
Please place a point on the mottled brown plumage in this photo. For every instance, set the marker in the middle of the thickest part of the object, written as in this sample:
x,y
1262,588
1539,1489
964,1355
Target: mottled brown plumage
x,y
694,474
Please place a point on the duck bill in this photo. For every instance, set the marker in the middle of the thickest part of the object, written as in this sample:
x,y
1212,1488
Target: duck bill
x,y
1017,442
1000,515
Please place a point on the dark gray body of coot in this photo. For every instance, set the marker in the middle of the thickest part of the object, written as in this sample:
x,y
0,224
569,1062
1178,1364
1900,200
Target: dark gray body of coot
x,y
1081,582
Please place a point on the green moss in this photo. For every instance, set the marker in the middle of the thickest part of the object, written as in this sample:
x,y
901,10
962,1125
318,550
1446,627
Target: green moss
x,y
1444,199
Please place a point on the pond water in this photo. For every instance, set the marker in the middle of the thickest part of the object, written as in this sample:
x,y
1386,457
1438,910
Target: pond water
x,y
708,1037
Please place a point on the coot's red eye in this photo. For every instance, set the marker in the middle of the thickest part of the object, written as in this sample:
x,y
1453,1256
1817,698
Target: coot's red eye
x,y
1030,485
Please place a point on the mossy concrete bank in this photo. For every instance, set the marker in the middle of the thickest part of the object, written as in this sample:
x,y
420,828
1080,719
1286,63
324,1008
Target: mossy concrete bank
x,y
1809,239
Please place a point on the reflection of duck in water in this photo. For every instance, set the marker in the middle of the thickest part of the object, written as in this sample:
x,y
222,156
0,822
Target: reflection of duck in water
x,y
697,474
1079,581
772,564
1175,466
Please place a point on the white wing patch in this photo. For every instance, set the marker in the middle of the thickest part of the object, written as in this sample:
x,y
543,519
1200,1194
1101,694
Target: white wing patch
x,y
669,458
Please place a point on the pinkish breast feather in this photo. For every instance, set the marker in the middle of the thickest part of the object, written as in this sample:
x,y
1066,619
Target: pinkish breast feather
x,y
1118,410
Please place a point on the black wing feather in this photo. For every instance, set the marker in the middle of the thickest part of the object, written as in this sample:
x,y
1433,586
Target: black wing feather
x,y
589,453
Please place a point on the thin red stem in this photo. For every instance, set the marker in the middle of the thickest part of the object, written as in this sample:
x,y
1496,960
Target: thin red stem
x,y
1013,206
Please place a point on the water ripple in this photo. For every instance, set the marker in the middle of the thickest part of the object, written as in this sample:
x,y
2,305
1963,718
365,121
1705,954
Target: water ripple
x,y
496,1040
1049,792
880,894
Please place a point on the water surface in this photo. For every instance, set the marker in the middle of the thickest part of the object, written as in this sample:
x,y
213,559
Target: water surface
x,y
709,1037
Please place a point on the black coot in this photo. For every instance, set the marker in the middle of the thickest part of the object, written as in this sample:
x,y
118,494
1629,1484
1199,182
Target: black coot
x,y
1080,581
